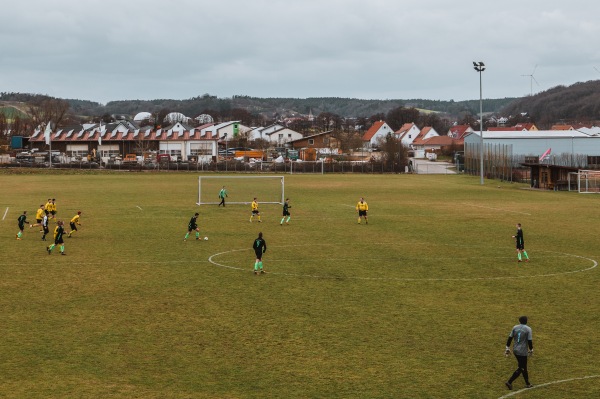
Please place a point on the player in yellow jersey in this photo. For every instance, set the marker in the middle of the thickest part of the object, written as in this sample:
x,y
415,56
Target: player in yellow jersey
x,y
362,209
53,208
48,207
255,211
39,216
74,223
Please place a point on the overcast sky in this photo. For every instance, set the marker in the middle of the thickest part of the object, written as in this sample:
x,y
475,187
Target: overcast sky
x,y
377,49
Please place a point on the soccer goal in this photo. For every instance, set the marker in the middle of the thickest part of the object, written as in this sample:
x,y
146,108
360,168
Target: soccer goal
x,y
241,189
588,181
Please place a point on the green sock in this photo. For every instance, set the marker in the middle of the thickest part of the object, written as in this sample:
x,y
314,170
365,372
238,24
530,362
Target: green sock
x,y
187,235
51,247
62,248
255,266
19,234
197,234
282,220
260,265
525,253
288,219
519,256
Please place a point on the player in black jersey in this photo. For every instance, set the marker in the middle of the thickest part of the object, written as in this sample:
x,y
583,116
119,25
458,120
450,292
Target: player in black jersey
x,y
260,247
193,225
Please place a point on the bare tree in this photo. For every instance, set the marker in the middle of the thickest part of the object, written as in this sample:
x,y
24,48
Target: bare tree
x,y
395,155
44,109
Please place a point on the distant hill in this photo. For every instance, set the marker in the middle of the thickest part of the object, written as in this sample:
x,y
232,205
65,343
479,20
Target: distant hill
x,y
345,107
269,107
578,103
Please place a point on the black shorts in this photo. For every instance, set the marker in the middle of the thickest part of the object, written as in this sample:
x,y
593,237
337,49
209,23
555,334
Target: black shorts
x,y
21,227
46,212
73,226
521,246
286,213
58,241
192,228
53,213
258,254
46,230
362,213
38,221
255,212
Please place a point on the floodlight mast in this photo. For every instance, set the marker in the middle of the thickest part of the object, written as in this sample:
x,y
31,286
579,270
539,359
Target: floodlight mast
x,y
480,67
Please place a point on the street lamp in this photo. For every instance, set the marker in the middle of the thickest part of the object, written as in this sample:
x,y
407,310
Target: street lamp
x,y
480,67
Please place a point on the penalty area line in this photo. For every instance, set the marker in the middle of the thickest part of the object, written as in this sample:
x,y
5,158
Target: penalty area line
x,y
5,212
587,377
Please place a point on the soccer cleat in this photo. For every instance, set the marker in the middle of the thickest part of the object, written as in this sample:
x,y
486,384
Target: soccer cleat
x,y
519,261
262,272
185,239
528,386
197,238
508,385
18,238
526,260
49,251
256,272
62,253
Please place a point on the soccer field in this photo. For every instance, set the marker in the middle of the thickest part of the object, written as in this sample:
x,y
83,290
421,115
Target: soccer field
x,y
416,304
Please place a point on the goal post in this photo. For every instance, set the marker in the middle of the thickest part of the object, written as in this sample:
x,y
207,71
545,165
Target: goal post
x,y
241,189
588,181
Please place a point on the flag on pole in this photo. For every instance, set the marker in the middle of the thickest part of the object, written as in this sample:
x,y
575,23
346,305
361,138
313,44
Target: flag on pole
x,y
546,154
99,138
47,133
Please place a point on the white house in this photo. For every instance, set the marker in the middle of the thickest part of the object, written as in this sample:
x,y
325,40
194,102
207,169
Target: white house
x,y
275,134
226,130
376,132
407,133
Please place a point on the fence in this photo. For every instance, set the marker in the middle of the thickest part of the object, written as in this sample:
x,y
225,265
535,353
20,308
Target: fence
x,y
232,166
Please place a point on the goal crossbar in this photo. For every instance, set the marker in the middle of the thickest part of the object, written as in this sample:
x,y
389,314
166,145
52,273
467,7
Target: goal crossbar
x,y
278,200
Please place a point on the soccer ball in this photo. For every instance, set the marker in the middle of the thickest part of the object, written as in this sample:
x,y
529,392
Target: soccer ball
x,y
205,238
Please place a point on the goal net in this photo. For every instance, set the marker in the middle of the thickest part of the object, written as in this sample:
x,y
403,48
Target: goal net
x,y
241,189
588,181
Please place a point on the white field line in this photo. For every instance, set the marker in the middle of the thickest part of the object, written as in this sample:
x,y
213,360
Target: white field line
x,y
498,209
349,206
546,384
594,265
139,208
5,212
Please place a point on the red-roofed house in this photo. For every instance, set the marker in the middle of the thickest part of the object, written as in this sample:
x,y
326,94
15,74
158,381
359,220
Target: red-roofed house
x,y
436,143
378,131
459,131
407,133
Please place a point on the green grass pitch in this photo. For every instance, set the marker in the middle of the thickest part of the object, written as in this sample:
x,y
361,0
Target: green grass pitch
x,y
416,304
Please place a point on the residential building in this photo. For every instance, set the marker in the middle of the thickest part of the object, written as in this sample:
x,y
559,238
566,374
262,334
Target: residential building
x,y
378,131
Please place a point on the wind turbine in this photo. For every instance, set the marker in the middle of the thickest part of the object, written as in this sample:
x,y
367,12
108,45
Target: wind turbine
x,y
532,79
